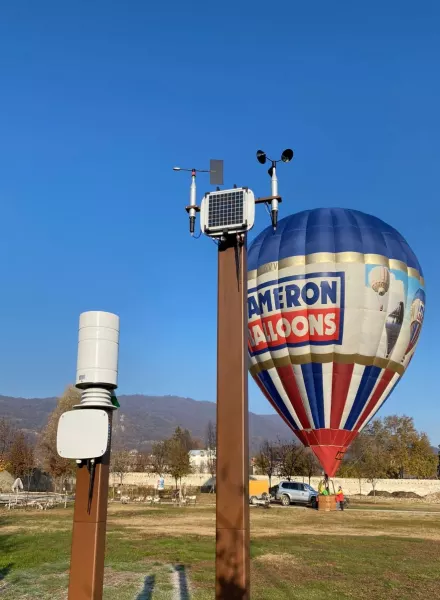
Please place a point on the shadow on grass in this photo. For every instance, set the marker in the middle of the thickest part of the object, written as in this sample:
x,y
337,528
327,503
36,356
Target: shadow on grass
x,y
182,582
182,590
147,592
5,570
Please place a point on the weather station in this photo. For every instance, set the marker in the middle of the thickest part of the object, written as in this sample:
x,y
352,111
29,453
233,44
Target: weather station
x,y
226,216
84,435
325,315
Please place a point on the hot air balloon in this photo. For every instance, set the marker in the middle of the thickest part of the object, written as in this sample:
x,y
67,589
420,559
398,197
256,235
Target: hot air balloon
x,y
380,282
319,348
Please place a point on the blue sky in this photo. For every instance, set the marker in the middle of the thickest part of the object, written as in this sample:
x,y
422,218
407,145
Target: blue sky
x,y
99,100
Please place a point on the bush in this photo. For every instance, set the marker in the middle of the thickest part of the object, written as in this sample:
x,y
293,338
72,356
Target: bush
x,y
405,495
380,494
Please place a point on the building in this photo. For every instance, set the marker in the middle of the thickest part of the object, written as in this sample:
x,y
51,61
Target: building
x,y
202,461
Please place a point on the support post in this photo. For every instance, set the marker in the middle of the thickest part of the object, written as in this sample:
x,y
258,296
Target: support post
x,y
232,482
88,537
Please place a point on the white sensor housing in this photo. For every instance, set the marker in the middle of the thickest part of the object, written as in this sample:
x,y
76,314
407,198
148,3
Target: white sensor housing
x,y
83,434
227,212
98,348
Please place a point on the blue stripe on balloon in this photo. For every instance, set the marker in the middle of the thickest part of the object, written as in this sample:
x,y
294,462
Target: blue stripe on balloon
x,y
267,382
312,375
329,230
368,381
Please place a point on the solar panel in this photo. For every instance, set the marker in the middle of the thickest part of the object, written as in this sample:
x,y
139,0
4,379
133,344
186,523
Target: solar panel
x,y
226,209
226,212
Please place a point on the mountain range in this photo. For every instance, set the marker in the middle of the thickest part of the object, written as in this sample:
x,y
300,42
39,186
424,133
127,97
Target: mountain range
x,y
142,420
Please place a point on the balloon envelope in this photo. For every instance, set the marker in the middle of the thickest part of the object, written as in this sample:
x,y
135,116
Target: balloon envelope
x,y
322,349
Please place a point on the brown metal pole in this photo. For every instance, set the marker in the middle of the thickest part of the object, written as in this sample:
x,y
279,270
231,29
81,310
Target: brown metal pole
x,y
88,538
232,513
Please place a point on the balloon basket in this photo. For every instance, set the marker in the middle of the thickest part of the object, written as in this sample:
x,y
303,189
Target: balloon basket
x,y
327,503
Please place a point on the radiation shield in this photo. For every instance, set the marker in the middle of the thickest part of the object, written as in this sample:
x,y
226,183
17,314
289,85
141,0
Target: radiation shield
x,y
83,434
98,350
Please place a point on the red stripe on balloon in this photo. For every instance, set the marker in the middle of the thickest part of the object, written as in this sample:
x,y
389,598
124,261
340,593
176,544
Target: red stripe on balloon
x,y
340,384
287,377
380,388
301,435
329,455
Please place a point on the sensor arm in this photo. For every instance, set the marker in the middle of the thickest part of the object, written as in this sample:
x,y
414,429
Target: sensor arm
x,y
267,199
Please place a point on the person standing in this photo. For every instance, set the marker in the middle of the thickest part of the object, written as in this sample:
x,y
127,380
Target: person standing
x,y
340,498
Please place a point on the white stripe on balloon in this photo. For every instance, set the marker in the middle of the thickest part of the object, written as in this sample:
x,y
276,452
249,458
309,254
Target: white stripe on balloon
x,y
285,398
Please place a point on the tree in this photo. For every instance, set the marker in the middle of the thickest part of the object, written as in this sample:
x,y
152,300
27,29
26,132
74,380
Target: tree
x,y
21,458
290,454
307,464
389,447
7,434
177,453
120,463
352,464
158,458
141,463
409,451
196,443
267,459
373,461
423,461
59,468
402,434
211,446
201,468
184,437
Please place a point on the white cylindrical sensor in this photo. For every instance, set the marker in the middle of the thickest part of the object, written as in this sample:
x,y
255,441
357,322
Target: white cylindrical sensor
x,y
98,349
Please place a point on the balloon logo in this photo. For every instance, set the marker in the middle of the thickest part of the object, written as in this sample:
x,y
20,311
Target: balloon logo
x,y
322,349
393,326
380,282
416,319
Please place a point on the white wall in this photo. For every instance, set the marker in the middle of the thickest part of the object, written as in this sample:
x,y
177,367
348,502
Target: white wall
x,y
350,486
422,487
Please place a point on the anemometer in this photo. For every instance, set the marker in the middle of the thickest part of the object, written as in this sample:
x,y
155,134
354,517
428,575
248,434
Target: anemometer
x,y
224,213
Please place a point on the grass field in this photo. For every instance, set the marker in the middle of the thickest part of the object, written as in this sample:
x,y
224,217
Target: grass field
x,y
296,553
